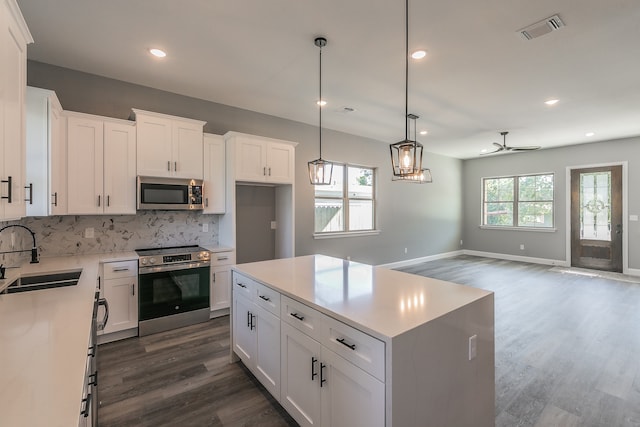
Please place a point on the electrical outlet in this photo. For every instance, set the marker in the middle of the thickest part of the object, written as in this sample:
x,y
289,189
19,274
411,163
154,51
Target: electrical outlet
x,y
274,225
460,242
205,228
348,258
89,233
522,247
473,347
405,250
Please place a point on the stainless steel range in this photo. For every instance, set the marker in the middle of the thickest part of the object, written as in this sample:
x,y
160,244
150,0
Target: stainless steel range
x,y
173,287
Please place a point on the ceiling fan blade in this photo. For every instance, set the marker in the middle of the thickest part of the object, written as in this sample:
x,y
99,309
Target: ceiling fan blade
x,y
500,146
492,152
529,148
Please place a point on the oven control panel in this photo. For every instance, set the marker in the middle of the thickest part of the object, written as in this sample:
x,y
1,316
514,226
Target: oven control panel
x,y
167,259
160,259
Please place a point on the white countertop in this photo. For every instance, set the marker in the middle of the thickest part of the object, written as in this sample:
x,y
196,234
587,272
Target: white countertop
x,y
43,344
383,302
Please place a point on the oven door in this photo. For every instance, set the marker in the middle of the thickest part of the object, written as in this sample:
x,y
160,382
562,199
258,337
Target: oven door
x,y
173,289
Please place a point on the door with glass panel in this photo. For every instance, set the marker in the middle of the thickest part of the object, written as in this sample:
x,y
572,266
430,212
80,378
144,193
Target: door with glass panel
x,y
596,218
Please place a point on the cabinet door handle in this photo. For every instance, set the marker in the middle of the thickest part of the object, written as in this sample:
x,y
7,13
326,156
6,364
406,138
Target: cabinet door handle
x,y
99,200
265,298
168,166
344,343
30,188
175,166
98,282
87,405
269,170
214,278
55,198
314,374
9,182
297,316
104,302
264,171
92,351
133,289
93,381
322,378
206,202
253,325
108,200
248,319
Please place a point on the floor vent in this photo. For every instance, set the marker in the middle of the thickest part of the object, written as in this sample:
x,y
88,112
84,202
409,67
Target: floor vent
x,y
541,28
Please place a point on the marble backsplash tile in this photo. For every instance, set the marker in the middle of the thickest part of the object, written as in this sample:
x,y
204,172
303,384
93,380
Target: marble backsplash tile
x,y
64,235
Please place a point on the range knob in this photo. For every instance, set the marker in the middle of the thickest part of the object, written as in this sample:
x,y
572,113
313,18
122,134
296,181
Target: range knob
x,y
152,260
143,261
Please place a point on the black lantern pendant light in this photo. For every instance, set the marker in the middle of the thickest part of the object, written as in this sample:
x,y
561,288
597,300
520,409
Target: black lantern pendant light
x,y
320,170
423,176
406,155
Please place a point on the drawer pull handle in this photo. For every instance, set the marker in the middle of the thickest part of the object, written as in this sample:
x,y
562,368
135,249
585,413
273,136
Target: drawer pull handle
x,y
297,316
241,285
344,343
314,374
265,298
322,378
224,258
117,270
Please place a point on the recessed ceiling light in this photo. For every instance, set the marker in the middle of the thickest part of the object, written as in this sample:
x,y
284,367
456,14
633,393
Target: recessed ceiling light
x,y
158,53
484,150
424,132
551,101
321,103
418,54
589,134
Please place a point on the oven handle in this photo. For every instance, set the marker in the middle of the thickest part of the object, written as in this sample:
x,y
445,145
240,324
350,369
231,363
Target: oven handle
x,y
173,267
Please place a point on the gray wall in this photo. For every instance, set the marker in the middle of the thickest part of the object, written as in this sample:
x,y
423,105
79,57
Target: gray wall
x,y
543,244
425,219
255,209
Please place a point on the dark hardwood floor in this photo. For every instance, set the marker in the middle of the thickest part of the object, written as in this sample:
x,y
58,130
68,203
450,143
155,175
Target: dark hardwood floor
x,y
182,378
567,354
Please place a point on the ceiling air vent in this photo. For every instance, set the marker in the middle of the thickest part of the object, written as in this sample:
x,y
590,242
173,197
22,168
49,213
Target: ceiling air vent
x,y
541,28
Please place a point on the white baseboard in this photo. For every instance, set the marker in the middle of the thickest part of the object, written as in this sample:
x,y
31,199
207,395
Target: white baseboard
x,y
632,272
116,336
414,261
545,261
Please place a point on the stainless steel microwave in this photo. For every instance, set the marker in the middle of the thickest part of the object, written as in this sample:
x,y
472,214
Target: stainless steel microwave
x,y
169,193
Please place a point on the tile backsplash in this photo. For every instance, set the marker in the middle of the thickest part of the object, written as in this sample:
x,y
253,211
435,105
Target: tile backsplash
x,y
65,235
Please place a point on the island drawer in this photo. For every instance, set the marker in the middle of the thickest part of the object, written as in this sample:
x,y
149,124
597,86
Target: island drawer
x,y
268,299
301,317
357,347
118,269
244,285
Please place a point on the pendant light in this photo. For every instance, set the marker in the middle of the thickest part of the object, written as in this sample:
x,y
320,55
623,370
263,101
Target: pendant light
x,y
320,170
406,155
422,176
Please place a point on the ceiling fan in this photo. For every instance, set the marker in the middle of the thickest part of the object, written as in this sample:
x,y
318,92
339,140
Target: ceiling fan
x,y
505,147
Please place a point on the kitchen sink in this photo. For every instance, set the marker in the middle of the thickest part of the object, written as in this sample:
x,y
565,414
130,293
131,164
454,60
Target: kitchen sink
x,y
44,281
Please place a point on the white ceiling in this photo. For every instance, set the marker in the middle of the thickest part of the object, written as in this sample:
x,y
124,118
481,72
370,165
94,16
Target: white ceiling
x,y
479,77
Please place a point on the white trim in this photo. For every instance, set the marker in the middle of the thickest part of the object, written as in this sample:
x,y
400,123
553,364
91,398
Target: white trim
x,y
499,227
633,272
414,261
625,210
137,112
346,234
520,258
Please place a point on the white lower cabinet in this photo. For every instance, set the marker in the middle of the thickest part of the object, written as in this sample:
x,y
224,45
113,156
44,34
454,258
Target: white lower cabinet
x,y
257,340
220,292
323,372
321,388
119,286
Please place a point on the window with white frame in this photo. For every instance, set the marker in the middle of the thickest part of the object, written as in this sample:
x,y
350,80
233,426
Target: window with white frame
x,y
518,201
348,203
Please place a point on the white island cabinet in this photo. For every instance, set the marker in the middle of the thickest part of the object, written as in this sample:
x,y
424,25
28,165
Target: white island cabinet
x,y
368,346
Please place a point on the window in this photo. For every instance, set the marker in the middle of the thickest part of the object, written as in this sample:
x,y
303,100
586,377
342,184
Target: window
x,y
518,201
348,204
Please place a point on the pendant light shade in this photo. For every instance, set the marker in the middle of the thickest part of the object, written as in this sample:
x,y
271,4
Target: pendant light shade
x,y
320,170
406,155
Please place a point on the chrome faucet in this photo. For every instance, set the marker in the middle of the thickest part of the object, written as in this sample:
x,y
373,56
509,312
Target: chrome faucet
x,y
34,249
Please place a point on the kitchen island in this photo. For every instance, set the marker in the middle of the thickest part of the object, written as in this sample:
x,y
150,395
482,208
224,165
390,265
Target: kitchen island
x,y
342,343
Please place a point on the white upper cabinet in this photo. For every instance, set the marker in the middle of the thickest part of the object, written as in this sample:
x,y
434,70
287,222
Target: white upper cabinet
x,y
14,37
101,165
168,146
260,159
214,174
46,154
